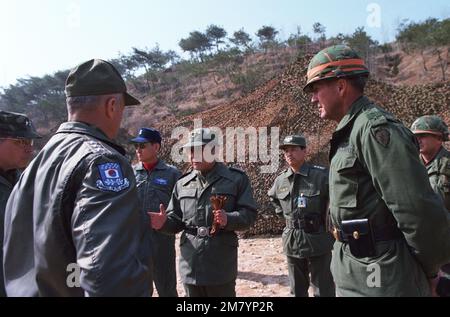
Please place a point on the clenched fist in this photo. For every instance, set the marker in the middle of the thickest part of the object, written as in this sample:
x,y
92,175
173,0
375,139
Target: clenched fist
x,y
220,218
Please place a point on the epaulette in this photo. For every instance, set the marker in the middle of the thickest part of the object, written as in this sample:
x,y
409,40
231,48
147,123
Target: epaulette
x,y
172,166
376,117
237,169
96,147
319,167
445,166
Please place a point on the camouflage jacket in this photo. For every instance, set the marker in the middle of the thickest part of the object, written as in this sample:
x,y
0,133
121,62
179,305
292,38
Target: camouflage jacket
x,y
439,175
210,260
312,183
76,206
376,173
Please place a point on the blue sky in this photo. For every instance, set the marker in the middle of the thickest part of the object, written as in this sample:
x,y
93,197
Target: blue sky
x,y
44,36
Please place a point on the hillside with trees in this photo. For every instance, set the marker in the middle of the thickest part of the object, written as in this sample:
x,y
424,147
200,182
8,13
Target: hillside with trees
x,y
220,67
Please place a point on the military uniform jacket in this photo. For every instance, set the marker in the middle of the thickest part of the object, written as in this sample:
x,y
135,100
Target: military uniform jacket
x,y
77,204
6,185
210,261
312,183
439,175
155,188
376,173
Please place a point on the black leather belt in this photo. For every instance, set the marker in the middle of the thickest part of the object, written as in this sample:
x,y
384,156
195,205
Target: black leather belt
x,y
303,224
201,232
385,233
295,224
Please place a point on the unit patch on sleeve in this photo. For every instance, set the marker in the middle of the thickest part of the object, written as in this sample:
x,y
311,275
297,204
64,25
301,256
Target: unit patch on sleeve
x,y
112,178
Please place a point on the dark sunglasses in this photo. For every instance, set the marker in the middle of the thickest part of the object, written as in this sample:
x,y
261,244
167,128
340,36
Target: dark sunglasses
x,y
20,142
140,146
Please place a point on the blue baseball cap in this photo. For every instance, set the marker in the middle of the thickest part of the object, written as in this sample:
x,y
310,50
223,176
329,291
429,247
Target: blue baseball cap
x,y
147,135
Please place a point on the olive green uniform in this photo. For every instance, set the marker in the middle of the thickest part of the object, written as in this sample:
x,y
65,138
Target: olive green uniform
x,y
439,175
208,265
376,174
302,199
155,188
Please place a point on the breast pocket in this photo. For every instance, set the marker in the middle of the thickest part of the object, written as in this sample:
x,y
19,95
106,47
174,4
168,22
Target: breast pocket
x,y
161,192
344,180
312,200
188,202
284,197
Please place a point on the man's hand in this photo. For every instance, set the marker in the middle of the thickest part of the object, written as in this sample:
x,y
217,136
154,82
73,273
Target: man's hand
x,y
157,220
220,217
433,282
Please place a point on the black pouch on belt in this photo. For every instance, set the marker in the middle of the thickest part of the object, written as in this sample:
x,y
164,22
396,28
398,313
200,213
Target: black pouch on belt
x,y
360,237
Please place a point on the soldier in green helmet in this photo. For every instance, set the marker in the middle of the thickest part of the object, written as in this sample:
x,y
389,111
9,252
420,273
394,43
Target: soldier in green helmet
x,y
387,220
432,132
300,195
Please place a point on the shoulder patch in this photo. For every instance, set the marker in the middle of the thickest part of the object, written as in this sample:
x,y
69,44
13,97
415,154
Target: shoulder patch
x,y
383,136
112,179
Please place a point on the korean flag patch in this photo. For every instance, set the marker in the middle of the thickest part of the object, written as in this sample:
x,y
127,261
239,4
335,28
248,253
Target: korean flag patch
x,y
112,179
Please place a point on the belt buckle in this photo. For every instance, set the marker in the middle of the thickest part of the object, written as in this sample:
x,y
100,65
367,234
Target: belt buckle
x,y
202,232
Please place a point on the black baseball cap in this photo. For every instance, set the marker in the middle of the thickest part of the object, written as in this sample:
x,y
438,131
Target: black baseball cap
x,y
97,77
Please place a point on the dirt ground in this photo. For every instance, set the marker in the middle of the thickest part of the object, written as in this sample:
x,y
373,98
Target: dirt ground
x,y
262,268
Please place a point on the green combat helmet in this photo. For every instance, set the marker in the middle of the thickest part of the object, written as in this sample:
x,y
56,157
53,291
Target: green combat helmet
x,y
335,62
431,125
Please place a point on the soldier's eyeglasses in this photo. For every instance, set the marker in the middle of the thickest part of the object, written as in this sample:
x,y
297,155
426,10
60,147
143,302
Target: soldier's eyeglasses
x,y
21,142
140,146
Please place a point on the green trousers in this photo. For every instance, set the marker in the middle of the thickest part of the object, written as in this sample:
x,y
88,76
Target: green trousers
x,y
224,290
321,278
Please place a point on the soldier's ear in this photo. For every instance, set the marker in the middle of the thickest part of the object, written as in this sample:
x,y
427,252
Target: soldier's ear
x,y
112,105
342,86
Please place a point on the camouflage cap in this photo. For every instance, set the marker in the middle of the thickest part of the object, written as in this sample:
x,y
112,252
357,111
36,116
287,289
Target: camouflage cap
x,y
97,77
200,137
16,125
335,62
431,125
293,140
